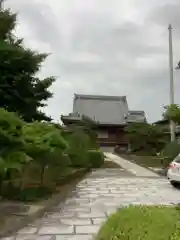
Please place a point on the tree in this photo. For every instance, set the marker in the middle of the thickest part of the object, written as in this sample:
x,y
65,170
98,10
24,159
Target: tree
x,y
44,143
12,156
89,127
21,90
145,137
172,113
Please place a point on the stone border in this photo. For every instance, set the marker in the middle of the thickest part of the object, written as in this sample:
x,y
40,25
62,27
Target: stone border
x,y
37,210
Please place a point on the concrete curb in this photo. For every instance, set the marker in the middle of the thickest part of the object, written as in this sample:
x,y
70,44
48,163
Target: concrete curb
x,y
42,207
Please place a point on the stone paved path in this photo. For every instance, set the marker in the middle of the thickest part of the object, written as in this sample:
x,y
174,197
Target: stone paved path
x,y
93,200
132,167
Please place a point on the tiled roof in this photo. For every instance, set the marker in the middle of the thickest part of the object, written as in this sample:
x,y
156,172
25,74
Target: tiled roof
x,y
103,109
136,116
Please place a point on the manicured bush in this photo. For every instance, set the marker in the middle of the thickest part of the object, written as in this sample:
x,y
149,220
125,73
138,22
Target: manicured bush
x,y
96,158
31,193
143,223
44,144
79,160
171,150
35,156
78,143
65,160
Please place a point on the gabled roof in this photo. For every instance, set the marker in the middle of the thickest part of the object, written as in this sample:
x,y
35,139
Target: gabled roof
x,y
101,108
136,116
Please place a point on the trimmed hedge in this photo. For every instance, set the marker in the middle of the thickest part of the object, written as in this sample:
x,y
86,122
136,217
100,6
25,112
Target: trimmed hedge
x,y
79,160
170,151
96,158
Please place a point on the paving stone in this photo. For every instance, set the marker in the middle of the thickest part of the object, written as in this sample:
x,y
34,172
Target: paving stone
x,y
55,230
65,213
50,222
34,237
71,210
76,221
8,238
75,237
98,221
94,214
28,230
87,229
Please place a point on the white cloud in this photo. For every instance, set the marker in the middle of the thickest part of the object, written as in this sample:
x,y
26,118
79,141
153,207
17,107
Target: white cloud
x,y
104,47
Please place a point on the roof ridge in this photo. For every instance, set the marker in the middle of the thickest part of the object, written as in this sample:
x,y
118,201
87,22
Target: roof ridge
x,y
106,97
136,111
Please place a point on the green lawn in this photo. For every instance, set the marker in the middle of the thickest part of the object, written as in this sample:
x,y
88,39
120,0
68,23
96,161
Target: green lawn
x,y
142,223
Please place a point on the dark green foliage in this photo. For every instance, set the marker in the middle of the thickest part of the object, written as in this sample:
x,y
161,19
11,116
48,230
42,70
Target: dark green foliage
x,y
21,90
96,158
27,194
78,148
42,138
172,113
88,126
10,130
79,160
12,155
146,138
44,144
66,161
171,150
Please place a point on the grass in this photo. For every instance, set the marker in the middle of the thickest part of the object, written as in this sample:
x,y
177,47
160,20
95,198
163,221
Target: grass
x,y
142,223
145,161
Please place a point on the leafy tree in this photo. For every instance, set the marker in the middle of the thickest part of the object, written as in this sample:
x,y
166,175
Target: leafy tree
x,y
87,126
21,90
145,137
44,144
79,144
172,113
12,156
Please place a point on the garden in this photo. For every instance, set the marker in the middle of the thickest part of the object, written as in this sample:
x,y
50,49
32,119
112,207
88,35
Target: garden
x,y
149,144
36,154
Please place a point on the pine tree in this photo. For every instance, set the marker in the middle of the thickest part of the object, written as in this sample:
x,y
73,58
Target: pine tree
x,y
21,90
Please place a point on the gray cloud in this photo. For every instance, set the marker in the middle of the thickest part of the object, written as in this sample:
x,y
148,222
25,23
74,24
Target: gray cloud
x,y
104,47
43,23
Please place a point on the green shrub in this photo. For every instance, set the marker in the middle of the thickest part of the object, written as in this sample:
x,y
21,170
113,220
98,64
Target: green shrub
x,y
12,155
31,193
96,158
171,150
44,144
10,130
79,160
78,143
142,223
66,161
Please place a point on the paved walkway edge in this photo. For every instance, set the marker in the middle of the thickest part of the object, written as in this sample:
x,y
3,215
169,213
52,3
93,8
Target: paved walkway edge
x,y
41,208
132,167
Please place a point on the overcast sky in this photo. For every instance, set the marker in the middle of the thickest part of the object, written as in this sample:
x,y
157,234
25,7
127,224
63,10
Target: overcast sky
x,y
109,47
